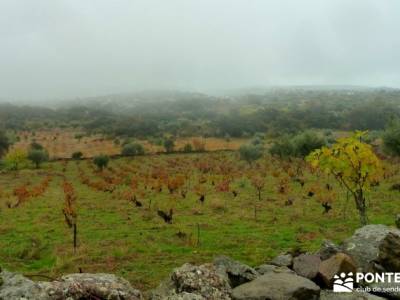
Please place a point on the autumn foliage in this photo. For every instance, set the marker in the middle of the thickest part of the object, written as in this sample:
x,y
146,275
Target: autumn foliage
x,y
353,164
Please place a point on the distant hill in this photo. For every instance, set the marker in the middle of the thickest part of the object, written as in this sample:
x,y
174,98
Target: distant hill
x,y
275,110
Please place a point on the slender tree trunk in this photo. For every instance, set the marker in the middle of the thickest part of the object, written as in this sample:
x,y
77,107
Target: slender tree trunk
x,y
361,206
345,206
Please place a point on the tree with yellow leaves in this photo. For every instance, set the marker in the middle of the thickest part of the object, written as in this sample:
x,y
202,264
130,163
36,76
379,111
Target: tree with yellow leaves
x,y
354,164
15,158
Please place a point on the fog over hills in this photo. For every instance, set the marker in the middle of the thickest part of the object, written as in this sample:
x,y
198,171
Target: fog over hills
x,y
67,49
124,102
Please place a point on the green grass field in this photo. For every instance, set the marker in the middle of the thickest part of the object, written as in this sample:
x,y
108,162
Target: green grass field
x,y
134,242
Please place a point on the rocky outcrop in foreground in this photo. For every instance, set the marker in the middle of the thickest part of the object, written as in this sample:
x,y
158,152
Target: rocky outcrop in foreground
x,y
73,286
308,276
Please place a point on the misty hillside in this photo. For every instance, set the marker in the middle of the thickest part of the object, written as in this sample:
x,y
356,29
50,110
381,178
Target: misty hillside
x,y
275,111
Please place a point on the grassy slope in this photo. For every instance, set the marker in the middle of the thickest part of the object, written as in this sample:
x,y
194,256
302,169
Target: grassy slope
x,y
115,236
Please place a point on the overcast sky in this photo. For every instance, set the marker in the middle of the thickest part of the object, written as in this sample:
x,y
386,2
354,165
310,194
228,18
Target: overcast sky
x,y
68,48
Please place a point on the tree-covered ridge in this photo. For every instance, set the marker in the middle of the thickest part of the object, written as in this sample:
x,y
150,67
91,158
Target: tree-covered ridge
x,y
191,114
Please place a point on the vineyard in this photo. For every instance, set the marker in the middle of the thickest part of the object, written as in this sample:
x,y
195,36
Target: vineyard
x,y
141,217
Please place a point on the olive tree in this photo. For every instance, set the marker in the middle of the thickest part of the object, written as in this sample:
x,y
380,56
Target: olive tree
x,y
132,149
38,156
169,145
391,138
4,143
250,152
77,155
101,161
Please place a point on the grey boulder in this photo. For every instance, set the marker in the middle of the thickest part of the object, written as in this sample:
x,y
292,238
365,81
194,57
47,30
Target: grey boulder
x,y
328,249
74,286
277,286
335,265
283,260
397,221
307,265
16,286
199,282
264,269
103,286
364,245
389,252
237,272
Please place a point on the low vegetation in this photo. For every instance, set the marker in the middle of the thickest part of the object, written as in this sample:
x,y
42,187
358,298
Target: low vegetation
x,y
391,138
132,149
165,210
101,161
299,145
88,197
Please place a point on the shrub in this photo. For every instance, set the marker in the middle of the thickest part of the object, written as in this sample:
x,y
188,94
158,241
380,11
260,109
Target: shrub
x,y
169,145
391,138
282,147
15,158
257,141
156,141
299,145
305,143
79,136
36,146
38,156
132,149
187,148
371,137
260,136
250,152
4,143
77,155
330,140
101,161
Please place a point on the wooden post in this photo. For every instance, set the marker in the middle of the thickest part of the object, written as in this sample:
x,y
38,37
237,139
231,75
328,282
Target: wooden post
x,y
75,234
255,210
198,234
